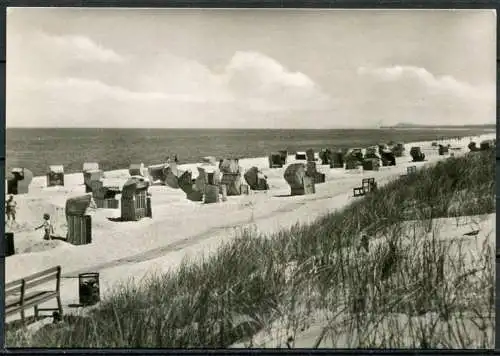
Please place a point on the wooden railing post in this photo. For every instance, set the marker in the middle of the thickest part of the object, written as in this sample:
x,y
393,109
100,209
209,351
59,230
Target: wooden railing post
x,y
22,300
58,282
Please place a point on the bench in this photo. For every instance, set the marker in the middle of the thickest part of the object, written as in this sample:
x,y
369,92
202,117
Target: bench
x,y
368,184
358,192
23,293
411,169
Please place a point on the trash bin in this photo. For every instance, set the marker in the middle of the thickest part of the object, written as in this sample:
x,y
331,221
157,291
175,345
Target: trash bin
x,y
88,285
9,244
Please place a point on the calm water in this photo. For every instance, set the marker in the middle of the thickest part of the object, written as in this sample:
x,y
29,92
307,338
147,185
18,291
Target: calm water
x,y
36,149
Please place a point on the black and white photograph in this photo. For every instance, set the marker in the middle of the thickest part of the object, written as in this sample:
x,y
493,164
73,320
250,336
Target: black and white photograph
x,y
250,178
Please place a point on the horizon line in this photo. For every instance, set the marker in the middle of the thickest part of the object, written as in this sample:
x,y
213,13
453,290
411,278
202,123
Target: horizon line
x,y
395,126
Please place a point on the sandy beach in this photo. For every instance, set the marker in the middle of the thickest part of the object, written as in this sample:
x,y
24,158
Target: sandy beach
x,y
124,251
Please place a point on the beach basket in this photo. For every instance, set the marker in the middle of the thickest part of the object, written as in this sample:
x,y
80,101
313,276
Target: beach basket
x,y
101,192
310,168
137,169
275,160
300,156
90,166
19,181
230,166
398,149
157,173
352,163
383,147
171,178
306,188
78,205
294,175
442,150
186,182
79,223
55,176
188,187
133,186
472,146
371,164
337,160
388,158
211,194
310,155
325,155
416,154
371,152
89,176
233,182
207,174
284,156
314,174
251,177
96,186
486,145
79,229
134,199
255,179
134,208
354,153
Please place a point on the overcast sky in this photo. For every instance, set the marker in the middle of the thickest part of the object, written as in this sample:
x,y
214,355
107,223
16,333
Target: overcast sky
x,y
249,68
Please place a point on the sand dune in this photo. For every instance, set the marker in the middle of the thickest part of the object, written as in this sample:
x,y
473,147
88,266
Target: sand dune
x,y
179,228
444,230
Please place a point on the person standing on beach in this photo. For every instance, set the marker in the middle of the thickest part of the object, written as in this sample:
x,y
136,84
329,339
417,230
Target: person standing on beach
x,y
47,227
10,209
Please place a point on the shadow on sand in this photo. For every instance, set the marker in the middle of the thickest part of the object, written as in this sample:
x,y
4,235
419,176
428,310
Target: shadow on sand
x,y
60,238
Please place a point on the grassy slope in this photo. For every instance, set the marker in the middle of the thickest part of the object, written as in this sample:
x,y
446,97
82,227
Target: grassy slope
x,y
255,280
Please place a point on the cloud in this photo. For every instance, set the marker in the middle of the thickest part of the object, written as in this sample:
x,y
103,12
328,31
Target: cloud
x,y
249,80
163,90
264,84
83,90
408,93
420,76
77,47
41,56
78,80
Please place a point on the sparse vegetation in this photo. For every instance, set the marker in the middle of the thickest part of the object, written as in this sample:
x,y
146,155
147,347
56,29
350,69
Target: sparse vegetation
x,y
412,288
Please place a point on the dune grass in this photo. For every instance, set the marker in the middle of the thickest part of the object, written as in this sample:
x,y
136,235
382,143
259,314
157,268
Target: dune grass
x,y
408,288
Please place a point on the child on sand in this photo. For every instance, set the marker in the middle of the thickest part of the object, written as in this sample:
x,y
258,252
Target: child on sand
x,y
47,227
10,209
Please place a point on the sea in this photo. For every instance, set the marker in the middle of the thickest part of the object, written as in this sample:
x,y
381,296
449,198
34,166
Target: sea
x,y
37,148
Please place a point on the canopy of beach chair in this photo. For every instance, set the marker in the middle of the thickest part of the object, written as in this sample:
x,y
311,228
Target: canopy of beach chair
x,y
294,175
78,205
56,169
134,185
